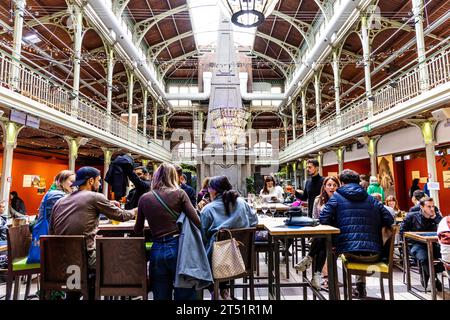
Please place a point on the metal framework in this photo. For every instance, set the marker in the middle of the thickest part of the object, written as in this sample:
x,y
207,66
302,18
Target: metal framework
x,y
301,26
155,51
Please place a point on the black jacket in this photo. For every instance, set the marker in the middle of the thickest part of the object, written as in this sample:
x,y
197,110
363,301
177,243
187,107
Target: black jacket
x,y
190,192
415,221
359,217
18,205
140,188
117,177
312,190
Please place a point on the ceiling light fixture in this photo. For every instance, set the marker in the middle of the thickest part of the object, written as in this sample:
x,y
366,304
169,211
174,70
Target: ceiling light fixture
x,y
249,13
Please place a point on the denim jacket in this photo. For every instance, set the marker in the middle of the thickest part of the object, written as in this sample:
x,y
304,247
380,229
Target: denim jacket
x,y
193,268
214,219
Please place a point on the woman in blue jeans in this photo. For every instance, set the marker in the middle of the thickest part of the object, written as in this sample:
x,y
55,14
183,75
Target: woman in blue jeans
x,y
161,207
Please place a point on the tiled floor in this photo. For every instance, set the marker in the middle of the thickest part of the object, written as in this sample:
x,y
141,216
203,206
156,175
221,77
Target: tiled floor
x,y
373,290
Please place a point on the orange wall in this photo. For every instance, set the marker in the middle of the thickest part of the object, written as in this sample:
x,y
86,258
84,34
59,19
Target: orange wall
x,y
361,166
420,164
47,168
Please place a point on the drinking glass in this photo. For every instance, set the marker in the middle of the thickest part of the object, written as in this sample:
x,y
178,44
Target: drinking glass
x,y
273,209
264,209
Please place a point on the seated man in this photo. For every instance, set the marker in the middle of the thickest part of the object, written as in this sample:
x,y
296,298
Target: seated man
x,y
360,219
426,219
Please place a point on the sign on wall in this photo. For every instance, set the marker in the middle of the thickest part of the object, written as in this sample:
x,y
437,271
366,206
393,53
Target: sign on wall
x,y
446,176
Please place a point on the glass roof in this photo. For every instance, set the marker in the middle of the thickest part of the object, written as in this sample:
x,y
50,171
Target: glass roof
x,y
205,15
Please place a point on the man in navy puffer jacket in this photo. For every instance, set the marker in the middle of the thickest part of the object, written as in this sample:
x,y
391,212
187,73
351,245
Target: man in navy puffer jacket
x,y
360,218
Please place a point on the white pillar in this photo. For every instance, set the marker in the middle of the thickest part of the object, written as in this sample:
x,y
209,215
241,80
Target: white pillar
x,y
418,6
74,144
77,18
340,158
285,131
164,127
294,118
320,160
366,60
304,111
155,119
130,96
373,154
317,94
11,131
107,155
336,76
144,113
109,86
17,42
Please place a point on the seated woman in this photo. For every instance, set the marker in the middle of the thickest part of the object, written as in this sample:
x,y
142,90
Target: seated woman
x,y
443,233
225,211
270,191
298,202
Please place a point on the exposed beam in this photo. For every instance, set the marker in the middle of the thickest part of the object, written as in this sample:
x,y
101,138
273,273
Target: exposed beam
x,y
290,49
280,65
142,27
301,26
156,50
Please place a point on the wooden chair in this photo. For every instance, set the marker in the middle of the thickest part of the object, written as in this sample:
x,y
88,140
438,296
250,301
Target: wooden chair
x,y
382,269
19,241
64,265
121,267
445,274
247,237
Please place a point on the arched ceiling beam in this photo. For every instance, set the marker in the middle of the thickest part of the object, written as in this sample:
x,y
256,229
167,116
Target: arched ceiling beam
x,y
322,6
301,26
290,49
119,6
280,65
391,24
156,50
165,67
142,27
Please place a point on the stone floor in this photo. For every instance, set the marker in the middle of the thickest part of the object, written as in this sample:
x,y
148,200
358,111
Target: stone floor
x,y
400,292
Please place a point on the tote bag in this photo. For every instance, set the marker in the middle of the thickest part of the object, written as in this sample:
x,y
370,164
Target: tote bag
x,y
39,229
227,260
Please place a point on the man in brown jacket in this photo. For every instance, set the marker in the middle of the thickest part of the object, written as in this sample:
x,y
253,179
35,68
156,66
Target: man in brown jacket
x,y
78,213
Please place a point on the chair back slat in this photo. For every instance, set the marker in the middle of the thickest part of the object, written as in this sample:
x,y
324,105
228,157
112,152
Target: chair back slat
x,y
19,241
391,243
121,266
63,256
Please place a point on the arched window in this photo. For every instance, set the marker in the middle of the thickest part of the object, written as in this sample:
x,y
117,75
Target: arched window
x,y
187,150
263,149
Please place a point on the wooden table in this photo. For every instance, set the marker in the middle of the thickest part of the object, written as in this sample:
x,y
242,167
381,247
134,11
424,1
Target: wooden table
x,y
278,230
120,229
3,248
427,238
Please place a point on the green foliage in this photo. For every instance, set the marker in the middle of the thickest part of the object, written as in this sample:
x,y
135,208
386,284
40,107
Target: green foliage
x,y
250,183
188,168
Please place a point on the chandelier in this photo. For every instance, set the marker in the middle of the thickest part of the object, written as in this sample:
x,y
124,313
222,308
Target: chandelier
x,y
249,13
230,124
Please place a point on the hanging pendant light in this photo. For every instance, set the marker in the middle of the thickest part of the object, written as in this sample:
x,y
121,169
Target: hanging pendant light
x,y
249,13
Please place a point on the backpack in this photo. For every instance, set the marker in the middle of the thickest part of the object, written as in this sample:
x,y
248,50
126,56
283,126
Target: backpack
x,y
39,229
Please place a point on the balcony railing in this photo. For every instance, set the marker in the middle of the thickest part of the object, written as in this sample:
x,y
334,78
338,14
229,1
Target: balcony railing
x,y
386,97
33,84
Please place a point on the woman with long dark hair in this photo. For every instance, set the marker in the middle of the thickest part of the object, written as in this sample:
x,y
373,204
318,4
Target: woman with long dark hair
x,y
318,249
271,190
227,210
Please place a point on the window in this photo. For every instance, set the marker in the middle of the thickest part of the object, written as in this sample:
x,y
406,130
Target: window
x,y
187,150
263,149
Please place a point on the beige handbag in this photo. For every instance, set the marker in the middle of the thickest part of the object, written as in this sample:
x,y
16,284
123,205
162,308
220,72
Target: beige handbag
x,y
227,260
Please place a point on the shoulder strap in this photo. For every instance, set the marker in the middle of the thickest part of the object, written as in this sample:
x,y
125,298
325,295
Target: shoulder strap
x,y
169,210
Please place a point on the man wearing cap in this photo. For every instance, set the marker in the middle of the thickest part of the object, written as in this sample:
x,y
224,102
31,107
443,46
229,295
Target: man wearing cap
x,y
78,213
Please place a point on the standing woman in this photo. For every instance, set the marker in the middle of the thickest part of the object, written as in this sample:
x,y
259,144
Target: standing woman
x,y
414,187
61,187
159,206
318,249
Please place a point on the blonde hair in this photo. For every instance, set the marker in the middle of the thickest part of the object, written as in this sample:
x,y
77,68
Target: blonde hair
x,y
205,183
62,177
165,177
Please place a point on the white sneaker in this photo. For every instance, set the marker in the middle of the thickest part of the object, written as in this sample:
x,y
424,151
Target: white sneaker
x,y
316,280
304,264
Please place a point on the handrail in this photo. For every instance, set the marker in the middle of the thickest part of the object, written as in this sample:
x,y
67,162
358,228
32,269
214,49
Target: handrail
x,y
406,87
34,85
